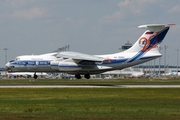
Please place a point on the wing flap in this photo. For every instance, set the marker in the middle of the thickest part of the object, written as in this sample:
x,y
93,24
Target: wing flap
x,y
80,56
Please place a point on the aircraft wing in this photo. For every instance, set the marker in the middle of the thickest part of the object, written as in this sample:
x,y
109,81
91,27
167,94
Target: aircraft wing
x,y
79,56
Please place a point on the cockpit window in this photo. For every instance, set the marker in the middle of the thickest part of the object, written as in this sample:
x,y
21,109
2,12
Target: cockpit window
x,y
15,59
11,60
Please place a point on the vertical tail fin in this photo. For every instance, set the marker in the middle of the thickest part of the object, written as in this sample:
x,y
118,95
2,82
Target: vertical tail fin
x,y
153,36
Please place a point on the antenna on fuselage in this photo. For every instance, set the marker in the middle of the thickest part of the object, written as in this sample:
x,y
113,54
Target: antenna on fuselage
x,y
65,48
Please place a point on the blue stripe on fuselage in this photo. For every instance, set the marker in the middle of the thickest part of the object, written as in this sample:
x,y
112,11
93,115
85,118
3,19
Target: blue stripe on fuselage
x,y
31,62
68,66
136,57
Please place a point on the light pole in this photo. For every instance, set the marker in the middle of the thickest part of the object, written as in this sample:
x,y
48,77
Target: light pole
x,y
154,73
177,62
160,48
165,47
5,49
5,54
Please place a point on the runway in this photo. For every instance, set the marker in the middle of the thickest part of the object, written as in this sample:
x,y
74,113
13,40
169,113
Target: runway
x,y
90,86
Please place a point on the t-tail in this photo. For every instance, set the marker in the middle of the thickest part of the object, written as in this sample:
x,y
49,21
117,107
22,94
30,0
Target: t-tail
x,y
146,47
151,38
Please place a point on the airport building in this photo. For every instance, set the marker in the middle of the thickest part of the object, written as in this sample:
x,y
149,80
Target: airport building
x,y
126,46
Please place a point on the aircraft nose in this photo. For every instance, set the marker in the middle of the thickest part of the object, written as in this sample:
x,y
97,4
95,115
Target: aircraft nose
x,y
7,65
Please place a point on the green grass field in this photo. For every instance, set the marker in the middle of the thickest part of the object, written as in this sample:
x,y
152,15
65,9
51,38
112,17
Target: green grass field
x,y
88,103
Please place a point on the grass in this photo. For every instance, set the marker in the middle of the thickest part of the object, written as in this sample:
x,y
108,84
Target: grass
x,y
144,81
89,103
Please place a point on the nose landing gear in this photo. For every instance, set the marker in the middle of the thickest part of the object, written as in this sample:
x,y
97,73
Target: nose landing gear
x,y
35,76
78,76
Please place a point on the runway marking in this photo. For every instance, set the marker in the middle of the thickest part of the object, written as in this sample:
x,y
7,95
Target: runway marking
x,y
90,86
149,86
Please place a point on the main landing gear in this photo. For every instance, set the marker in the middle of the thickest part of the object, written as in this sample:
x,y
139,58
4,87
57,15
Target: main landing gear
x,y
87,76
78,76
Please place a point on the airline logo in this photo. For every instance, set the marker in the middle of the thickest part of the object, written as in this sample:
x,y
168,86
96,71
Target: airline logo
x,y
142,42
148,43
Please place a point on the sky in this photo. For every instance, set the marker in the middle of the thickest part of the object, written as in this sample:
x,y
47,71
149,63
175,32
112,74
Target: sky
x,y
88,26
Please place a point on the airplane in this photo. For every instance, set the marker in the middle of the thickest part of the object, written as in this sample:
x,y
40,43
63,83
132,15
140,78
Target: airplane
x,y
75,63
126,72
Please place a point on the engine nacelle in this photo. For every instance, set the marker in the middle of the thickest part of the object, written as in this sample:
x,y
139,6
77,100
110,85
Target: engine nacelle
x,y
68,66
54,65
64,66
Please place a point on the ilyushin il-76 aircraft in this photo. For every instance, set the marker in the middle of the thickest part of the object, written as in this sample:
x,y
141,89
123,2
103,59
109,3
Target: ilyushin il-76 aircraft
x,y
144,49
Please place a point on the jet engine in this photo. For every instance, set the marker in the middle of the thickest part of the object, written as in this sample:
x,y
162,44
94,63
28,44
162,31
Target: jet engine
x,y
64,66
68,66
54,65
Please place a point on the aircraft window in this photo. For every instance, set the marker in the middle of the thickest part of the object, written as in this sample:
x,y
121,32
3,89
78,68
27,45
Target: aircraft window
x,y
12,60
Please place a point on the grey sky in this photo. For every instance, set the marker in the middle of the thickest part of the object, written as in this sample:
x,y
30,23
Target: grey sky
x,y
88,26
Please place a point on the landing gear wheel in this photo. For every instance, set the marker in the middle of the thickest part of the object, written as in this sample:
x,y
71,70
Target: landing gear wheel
x,y
87,76
78,76
35,76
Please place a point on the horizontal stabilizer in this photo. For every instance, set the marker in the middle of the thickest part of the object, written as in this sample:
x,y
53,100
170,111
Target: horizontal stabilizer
x,y
153,27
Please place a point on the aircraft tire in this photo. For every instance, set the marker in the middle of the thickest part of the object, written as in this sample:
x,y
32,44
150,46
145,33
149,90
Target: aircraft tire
x,y
35,76
78,76
87,76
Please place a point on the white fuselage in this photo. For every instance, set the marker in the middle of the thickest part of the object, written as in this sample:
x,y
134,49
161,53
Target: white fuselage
x,y
50,63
